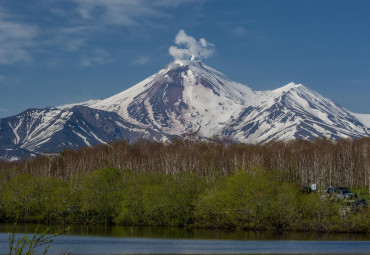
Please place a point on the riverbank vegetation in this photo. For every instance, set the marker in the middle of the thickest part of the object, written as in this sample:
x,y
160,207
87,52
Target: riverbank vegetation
x,y
30,245
194,184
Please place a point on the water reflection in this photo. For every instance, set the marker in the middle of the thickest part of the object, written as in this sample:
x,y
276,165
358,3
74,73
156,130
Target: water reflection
x,y
187,233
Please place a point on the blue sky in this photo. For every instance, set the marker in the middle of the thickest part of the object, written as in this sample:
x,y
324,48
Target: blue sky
x,y
54,52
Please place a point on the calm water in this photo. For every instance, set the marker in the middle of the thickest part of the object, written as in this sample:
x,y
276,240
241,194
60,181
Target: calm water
x,y
154,240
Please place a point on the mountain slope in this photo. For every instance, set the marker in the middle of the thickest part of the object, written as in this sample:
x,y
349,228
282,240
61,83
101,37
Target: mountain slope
x,y
188,96
363,118
51,130
293,112
184,96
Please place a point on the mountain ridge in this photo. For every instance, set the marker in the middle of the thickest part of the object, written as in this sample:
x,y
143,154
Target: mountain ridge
x,y
181,98
296,97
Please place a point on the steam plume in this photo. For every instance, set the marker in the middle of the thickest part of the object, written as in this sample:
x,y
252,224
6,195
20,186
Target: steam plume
x,y
192,49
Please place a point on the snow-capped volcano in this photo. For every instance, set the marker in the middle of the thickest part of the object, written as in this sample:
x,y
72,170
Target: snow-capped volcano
x,y
186,97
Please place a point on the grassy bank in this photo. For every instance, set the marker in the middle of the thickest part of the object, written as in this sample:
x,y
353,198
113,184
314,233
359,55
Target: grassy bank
x,y
245,199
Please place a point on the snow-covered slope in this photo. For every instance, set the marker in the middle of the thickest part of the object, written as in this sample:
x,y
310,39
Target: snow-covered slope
x,y
51,130
184,96
291,112
85,103
363,118
188,97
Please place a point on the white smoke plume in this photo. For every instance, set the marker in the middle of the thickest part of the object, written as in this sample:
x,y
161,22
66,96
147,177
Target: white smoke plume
x,y
192,49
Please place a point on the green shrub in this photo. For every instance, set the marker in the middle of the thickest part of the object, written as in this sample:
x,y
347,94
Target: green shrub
x,y
242,200
35,198
19,197
101,192
159,199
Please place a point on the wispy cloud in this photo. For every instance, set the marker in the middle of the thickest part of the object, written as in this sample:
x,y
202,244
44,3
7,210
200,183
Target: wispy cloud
x,y
141,60
173,3
70,38
96,58
125,12
240,31
76,26
15,39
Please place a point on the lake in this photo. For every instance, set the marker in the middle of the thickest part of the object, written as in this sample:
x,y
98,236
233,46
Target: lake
x,y
156,240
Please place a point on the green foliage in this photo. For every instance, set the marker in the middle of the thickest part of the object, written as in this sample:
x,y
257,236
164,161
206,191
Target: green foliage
x,y
18,197
27,197
28,246
243,200
101,192
282,211
159,199
256,199
315,213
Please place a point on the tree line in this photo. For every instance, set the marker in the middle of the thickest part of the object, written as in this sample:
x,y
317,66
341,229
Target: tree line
x,y
344,162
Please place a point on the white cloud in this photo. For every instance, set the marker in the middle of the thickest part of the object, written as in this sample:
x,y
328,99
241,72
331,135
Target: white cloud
x,y
73,25
98,57
15,39
141,61
74,43
88,18
69,38
126,12
192,48
240,32
172,3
